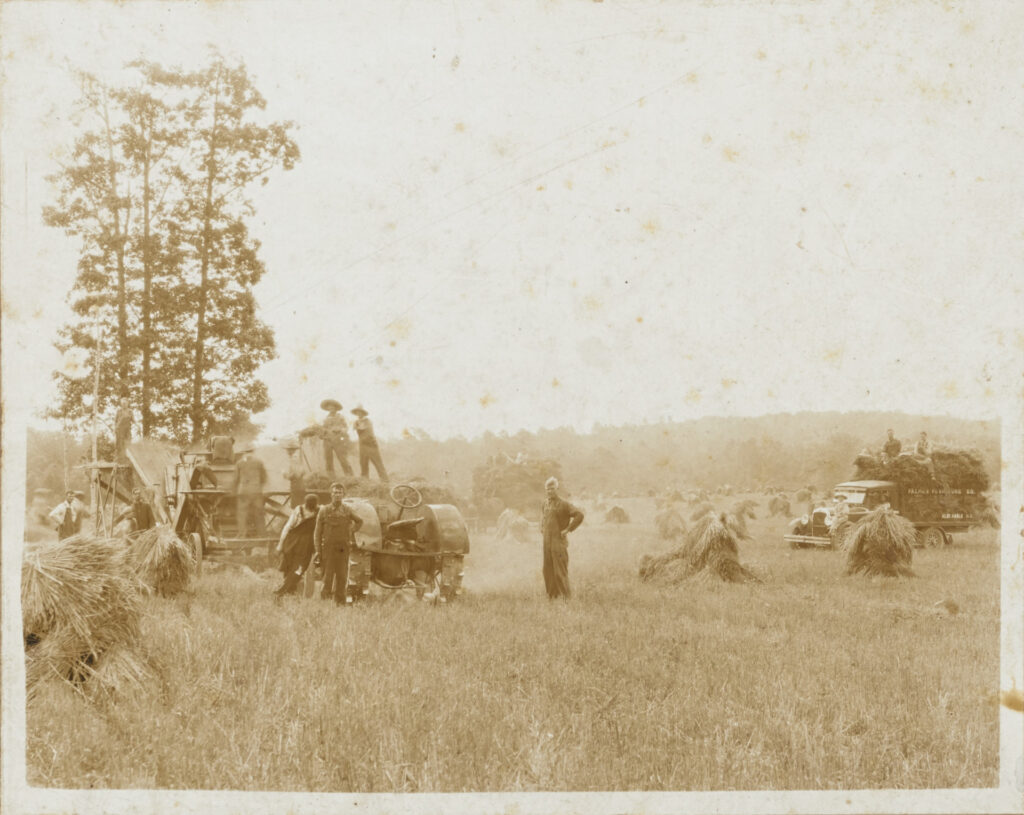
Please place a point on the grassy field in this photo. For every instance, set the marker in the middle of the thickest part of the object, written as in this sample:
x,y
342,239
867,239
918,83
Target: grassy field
x,y
811,680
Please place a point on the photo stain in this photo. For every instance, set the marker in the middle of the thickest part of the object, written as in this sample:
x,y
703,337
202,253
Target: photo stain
x,y
651,226
729,154
1012,699
693,395
555,383
950,390
486,400
728,383
460,127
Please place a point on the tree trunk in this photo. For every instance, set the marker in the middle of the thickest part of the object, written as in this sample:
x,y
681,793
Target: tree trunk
x,y
147,296
204,274
120,238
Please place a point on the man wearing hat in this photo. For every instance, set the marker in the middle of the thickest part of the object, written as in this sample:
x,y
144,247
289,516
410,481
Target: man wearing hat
x,y
68,516
335,436
559,518
369,451
336,525
250,481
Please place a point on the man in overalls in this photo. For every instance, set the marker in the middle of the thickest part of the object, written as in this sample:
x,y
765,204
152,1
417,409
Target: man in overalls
x,y
559,518
68,515
336,526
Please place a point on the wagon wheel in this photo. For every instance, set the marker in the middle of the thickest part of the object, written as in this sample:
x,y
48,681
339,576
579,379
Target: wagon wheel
x,y
406,496
933,537
195,545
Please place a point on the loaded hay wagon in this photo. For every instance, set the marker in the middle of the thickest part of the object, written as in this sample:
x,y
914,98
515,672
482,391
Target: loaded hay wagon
x,y
940,498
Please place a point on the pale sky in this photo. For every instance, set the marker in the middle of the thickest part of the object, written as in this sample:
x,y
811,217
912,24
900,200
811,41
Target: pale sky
x,y
521,215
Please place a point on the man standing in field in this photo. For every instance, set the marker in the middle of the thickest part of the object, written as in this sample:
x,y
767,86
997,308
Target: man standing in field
x,y
559,518
250,481
296,544
68,516
336,525
369,451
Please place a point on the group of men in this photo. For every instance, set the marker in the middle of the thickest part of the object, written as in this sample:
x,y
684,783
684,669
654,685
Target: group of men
x,y
893,447
334,433
324,535
319,536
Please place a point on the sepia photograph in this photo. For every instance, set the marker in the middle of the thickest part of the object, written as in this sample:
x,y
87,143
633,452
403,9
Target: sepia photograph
x,y
548,407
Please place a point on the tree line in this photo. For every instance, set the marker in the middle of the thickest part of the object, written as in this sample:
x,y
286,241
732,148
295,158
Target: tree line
x,y
155,187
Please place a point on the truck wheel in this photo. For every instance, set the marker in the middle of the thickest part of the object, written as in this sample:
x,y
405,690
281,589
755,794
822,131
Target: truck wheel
x,y
933,537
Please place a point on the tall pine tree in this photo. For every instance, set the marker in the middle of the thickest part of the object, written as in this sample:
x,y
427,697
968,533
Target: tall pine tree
x,y
155,188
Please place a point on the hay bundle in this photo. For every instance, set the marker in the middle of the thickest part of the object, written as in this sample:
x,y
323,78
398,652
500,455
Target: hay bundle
x,y
80,602
711,549
162,561
701,510
802,496
953,467
372,490
513,525
882,543
989,516
670,524
616,515
741,512
779,505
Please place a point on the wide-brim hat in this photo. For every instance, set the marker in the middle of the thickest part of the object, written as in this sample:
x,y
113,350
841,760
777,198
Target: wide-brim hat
x,y
359,410
330,404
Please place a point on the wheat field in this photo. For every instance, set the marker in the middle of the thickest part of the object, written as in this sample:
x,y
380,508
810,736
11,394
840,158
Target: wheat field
x,y
809,680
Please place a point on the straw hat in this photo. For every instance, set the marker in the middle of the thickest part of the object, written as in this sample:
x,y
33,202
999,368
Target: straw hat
x,y
330,404
359,410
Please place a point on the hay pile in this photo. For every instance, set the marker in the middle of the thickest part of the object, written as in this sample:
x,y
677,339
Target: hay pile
x,y
616,515
513,525
710,550
882,543
802,496
162,561
518,481
80,614
779,505
701,510
372,490
954,467
670,524
741,512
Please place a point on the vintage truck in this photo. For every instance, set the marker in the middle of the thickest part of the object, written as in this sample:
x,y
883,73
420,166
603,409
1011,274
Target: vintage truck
x,y
936,511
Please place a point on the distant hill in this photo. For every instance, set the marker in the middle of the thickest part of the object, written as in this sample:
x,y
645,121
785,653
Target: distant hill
x,y
787,450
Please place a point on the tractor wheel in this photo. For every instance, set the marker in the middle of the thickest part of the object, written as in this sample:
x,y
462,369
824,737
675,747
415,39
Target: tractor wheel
x,y
933,537
195,545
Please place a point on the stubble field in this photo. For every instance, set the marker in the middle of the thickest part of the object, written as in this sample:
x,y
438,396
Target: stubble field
x,y
810,680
